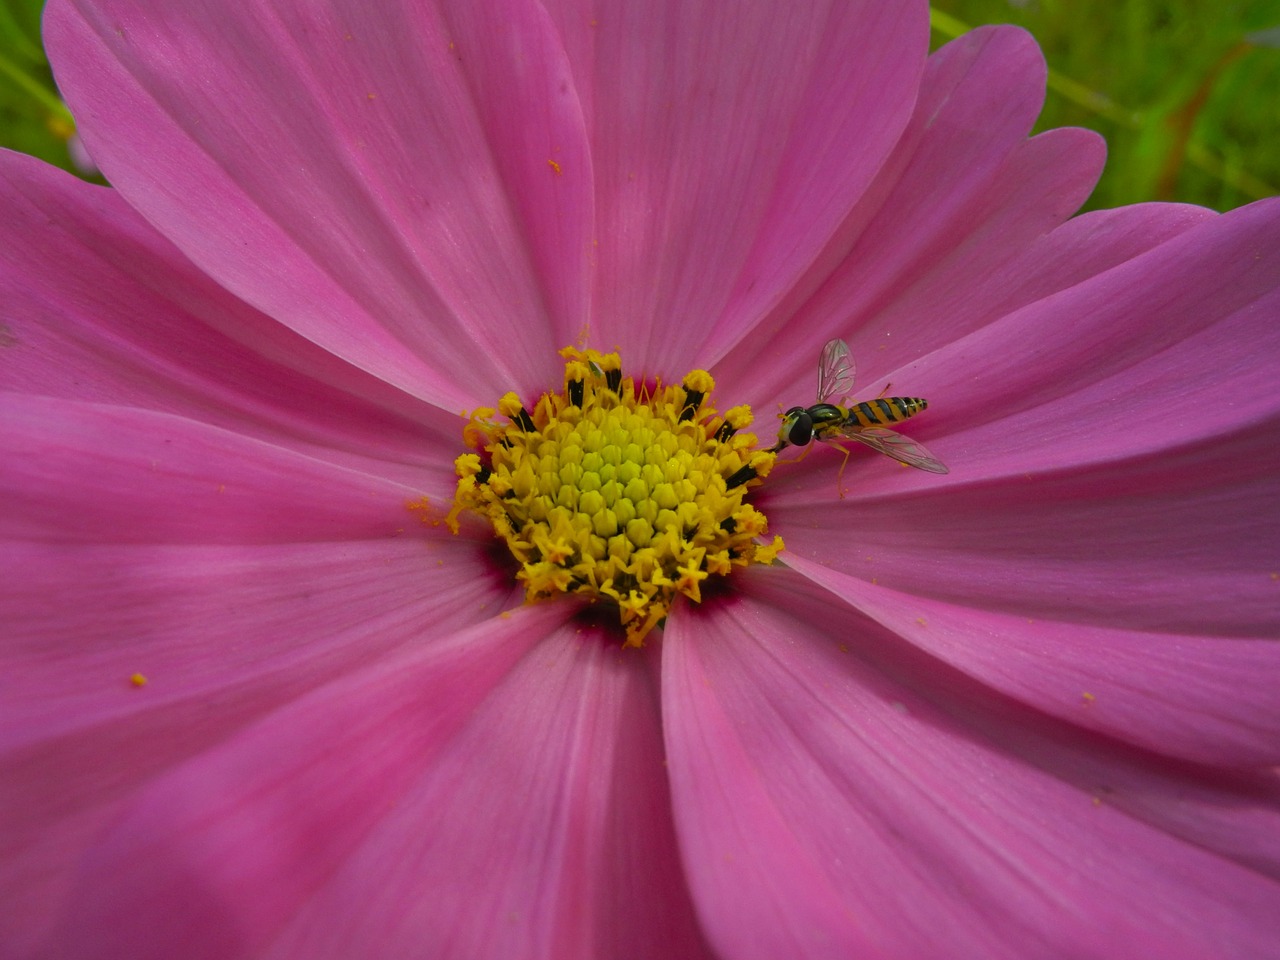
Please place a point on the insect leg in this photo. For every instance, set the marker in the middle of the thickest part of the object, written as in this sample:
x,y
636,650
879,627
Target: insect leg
x,y
808,449
840,476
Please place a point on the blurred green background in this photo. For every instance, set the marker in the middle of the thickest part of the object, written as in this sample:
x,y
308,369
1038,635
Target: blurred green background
x,y
1187,92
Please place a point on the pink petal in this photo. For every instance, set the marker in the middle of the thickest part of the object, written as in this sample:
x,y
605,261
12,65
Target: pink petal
x,y
137,325
1188,542
837,794
1104,370
728,143
379,181
1207,699
232,574
165,479
494,795
222,634
300,614
947,210
1134,597
1006,263
131,533
1174,345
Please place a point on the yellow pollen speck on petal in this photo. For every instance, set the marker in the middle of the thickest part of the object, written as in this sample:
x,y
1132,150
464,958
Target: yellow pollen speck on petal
x,y
138,680
1087,697
625,494
555,166
421,508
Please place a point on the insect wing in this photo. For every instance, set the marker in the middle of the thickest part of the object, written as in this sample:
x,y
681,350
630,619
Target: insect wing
x,y
835,371
893,444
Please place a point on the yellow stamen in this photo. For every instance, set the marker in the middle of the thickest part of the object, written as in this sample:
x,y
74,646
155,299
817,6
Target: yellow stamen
x,y
618,493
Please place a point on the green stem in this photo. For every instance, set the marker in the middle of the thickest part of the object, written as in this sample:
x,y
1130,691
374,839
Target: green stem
x,y
35,89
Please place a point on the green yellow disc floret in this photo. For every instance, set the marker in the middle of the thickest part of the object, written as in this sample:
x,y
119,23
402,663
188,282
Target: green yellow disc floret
x,y
621,493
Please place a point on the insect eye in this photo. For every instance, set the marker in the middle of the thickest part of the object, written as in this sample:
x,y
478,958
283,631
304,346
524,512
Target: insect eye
x,y
802,429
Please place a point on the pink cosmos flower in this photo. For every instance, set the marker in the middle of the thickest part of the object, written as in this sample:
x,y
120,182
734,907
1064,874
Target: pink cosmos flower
x,y
253,707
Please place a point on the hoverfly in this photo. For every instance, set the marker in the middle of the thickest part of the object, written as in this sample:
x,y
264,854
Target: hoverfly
x,y
864,422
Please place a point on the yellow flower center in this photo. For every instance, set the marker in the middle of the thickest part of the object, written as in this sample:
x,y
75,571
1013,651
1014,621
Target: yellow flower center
x,y
622,494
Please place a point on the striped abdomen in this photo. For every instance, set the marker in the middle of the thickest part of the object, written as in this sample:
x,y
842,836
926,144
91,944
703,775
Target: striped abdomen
x,y
884,411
